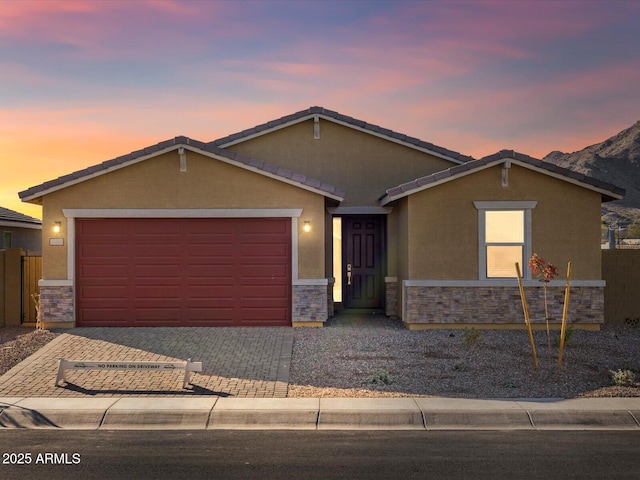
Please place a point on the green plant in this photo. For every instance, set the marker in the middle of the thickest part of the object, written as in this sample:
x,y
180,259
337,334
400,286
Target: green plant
x,y
471,336
567,336
509,384
460,367
623,378
381,377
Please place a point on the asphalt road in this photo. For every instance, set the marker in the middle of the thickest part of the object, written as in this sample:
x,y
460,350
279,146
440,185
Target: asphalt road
x,y
385,455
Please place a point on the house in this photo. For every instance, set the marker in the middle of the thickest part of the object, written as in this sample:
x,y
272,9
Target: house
x,y
283,223
19,266
20,231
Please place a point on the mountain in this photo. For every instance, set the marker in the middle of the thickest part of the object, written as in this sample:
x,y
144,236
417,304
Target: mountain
x,y
617,161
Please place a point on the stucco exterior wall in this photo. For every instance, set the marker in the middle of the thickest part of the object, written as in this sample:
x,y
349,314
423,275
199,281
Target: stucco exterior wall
x,y
29,239
207,183
398,255
359,163
443,224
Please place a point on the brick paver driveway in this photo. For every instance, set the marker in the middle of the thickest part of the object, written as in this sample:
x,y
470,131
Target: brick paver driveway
x,y
237,361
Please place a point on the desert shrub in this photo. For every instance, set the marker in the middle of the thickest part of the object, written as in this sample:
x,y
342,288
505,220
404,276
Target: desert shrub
x,y
381,377
623,378
471,336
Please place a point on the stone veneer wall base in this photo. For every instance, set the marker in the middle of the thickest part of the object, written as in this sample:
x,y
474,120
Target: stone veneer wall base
x,y
491,305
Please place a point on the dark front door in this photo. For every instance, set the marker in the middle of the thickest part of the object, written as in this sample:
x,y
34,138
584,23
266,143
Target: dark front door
x,y
363,269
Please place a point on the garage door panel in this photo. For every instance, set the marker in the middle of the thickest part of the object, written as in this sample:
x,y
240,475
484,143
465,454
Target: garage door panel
x,y
218,294
156,292
262,292
267,270
227,270
265,227
154,270
157,250
213,272
263,250
104,271
215,252
103,317
104,251
149,312
105,292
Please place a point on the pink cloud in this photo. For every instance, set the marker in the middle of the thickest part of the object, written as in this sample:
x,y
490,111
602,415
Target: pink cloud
x,y
117,29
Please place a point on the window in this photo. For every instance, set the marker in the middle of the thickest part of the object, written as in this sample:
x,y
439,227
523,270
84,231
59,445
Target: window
x,y
337,259
6,239
504,237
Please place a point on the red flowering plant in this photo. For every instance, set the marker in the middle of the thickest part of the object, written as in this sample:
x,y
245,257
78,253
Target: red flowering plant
x,y
545,272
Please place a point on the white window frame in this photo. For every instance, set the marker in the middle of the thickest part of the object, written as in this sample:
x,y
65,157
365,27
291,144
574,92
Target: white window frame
x,y
483,207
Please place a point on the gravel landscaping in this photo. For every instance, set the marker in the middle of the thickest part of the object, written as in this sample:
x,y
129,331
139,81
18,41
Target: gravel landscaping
x,y
497,364
17,343
395,362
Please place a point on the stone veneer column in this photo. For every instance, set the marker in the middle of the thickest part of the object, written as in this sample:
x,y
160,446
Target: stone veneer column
x,y
56,305
391,296
330,303
309,303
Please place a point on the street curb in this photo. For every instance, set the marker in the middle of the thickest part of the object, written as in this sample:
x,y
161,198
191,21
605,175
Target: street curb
x,y
214,413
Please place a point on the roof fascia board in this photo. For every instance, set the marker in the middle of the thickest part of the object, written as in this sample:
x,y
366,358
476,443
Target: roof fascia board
x,y
575,181
311,116
387,199
35,226
394,140
99,173
268,130
192,149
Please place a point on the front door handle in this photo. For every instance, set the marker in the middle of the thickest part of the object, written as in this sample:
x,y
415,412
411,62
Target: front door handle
x,y
348,274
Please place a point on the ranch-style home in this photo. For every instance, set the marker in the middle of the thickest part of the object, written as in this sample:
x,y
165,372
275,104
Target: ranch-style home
x,y
288,221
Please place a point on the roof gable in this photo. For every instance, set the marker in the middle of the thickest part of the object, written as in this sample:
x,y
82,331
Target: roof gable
x,y
609,191
182,142
332,116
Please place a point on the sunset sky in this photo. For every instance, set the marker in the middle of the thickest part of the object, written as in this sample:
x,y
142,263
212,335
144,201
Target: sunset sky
x,y
83,82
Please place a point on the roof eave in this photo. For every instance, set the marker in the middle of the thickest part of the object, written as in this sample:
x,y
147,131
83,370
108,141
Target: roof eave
x,y
191,145
491,161
317,112
73,179
16,224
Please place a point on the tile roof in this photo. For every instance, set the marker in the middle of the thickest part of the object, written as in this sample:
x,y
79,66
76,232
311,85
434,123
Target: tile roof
x,y
332,115
173,144
608,190
7,215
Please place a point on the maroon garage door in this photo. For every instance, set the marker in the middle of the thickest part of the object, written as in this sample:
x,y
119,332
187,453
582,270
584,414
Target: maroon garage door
x,y
183,272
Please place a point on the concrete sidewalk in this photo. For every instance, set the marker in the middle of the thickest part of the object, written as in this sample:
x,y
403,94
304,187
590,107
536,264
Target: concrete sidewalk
x,y
211,413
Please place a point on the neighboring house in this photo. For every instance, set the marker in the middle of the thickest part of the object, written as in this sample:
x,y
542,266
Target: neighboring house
x,y
20,231
281,223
